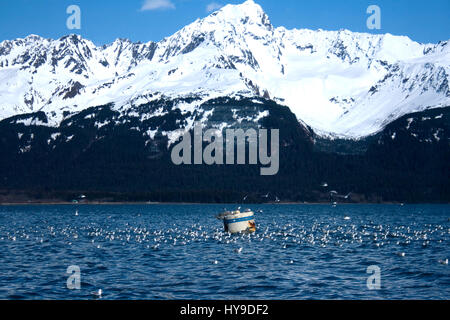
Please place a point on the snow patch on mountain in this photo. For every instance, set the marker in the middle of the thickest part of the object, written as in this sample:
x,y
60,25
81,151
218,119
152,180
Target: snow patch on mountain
x,y
340,83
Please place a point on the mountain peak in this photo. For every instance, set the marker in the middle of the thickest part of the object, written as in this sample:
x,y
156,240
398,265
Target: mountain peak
x,y
234,51
250,4
248,12
33,37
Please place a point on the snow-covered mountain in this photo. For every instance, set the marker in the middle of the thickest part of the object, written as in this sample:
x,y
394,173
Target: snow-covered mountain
x,y
338,82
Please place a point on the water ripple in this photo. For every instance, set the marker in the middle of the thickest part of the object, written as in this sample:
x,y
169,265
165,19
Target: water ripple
x,y
181,252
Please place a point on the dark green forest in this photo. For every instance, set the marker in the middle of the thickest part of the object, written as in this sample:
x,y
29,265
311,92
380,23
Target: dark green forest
x,y
407,162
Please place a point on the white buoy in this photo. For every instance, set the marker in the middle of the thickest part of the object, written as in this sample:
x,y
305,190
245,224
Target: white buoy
x,y
238,222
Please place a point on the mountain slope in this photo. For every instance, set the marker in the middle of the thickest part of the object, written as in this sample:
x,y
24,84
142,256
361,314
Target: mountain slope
x,y
338,82
106,155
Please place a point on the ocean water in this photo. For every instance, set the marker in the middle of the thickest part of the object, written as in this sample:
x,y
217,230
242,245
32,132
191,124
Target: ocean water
x,y
181,252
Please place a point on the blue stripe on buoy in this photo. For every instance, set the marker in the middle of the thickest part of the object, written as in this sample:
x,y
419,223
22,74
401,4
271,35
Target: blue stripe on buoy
x,y
238,220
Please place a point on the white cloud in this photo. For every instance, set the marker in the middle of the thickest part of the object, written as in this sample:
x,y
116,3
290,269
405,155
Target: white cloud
x,y
213,6
157,4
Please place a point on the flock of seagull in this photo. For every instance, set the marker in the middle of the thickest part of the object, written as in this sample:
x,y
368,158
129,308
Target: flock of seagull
x,y
336,232
334,195
322,234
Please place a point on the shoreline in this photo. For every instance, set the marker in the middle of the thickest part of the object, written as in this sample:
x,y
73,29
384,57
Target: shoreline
x,y
131,203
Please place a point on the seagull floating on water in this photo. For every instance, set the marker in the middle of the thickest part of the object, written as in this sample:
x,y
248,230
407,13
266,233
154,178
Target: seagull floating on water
x,y
444,262
98,293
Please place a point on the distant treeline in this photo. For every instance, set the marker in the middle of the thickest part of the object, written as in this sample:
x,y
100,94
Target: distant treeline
x,y
407,162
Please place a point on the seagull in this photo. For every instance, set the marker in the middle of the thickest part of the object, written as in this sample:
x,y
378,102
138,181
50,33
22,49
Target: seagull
x,y
324,185
238,250
401,254
76,212
245,198
276,199
98,293
267,195
335,194
444,262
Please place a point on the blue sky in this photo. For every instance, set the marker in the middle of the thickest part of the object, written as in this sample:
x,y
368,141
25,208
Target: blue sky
x,y
102,21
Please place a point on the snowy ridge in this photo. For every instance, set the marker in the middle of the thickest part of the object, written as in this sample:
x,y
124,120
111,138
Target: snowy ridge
x,y
338,82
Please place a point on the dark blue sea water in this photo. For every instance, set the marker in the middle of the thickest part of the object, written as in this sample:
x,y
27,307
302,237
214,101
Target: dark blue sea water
x,y
180,252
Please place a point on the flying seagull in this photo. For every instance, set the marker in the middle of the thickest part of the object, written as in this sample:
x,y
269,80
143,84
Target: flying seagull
x,y
337,195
